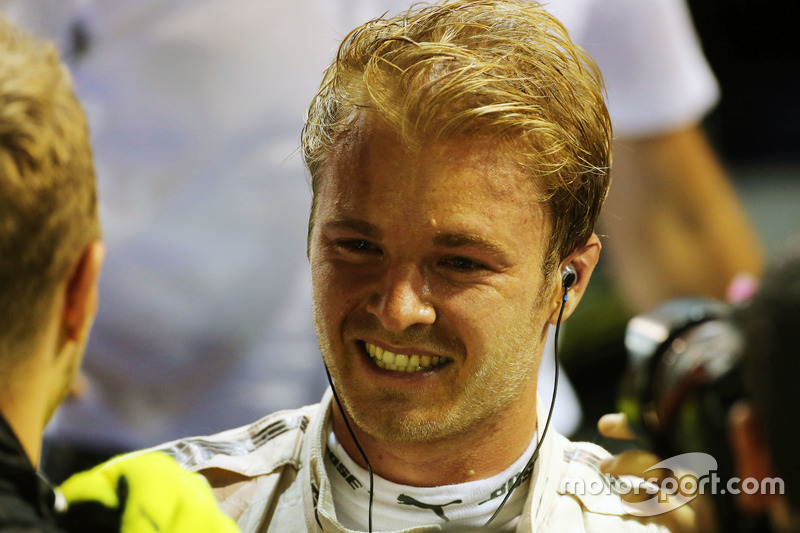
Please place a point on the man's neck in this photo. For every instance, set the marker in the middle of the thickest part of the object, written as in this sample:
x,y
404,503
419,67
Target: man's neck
x,y
25,400
18,414
464,506
33,381
460,459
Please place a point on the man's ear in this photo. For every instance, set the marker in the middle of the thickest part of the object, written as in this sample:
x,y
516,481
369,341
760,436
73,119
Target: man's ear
x,y
583,260
750,453
80,302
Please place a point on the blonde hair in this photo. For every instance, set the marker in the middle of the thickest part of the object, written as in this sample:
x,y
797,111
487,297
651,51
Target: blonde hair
x,y
48,204
503,69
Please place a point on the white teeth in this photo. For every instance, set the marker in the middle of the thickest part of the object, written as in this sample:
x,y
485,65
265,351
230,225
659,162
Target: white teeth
x,y
402,362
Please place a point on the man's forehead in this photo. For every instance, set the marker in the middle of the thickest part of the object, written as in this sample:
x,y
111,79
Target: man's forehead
x,y
368,147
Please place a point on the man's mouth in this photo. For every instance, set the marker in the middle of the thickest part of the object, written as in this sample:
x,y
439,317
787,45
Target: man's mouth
x,y
403,362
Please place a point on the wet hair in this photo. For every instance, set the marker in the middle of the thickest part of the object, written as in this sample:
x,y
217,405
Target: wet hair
x,y
503,70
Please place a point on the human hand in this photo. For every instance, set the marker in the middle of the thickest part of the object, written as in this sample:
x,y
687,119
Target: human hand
x,y
663,495
142,493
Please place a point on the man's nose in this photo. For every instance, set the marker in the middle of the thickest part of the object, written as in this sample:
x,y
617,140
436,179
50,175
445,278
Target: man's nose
x,y
401,299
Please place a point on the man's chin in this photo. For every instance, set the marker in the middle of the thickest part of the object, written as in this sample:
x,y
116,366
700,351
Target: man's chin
x,y
410,426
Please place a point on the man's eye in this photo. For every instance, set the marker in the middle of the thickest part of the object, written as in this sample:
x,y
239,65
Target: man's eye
x,y
357,246
462,264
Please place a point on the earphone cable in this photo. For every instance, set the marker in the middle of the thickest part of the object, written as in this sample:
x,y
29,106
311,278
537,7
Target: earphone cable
x,y
360,450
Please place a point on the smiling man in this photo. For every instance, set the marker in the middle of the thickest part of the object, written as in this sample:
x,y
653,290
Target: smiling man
x,y
459,156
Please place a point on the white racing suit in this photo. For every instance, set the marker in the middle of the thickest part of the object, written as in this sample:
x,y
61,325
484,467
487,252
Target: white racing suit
x,y
270,477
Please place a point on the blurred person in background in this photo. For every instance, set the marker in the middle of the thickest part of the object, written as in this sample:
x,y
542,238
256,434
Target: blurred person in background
x,y
759,436
672,225
196,108
763,432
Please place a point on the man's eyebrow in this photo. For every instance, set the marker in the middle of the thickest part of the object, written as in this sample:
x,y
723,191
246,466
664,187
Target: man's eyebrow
x,y
457,240
360,226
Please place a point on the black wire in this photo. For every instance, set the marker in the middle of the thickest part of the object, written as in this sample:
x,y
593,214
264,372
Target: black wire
x,y
518,481
355,440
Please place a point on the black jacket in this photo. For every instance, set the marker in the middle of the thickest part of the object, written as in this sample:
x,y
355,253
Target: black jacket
x,y
26,500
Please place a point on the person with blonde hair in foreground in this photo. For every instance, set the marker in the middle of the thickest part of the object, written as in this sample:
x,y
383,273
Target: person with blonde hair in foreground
x,y
50,260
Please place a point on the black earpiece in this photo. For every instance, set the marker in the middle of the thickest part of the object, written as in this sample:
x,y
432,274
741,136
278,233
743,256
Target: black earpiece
x,y
568,276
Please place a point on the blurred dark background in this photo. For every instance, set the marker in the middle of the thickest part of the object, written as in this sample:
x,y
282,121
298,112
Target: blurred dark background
x,y
753,49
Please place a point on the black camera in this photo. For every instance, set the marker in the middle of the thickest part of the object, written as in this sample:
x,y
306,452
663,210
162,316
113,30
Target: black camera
x,y
684,374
